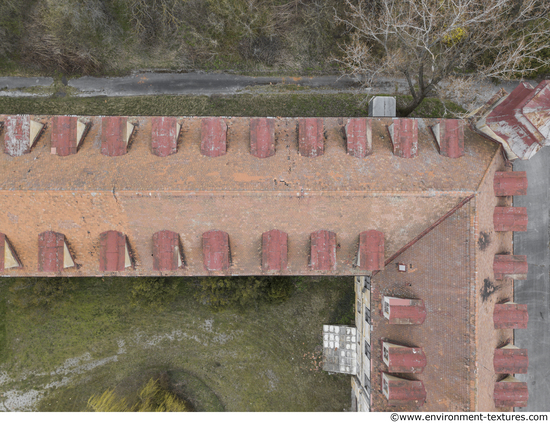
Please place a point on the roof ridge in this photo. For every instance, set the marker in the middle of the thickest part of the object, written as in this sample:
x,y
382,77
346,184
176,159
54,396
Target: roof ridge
x,y
426,231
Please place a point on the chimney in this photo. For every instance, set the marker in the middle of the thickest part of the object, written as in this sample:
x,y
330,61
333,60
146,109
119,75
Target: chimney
x,y
165,132
20,134
311,137
359,137
404,137
510,219
510,392
403,311
399,391
274,251
510,360
262,137
323,250
215,250
371,251
510,183
115,135
509,266
520,121
510,316
67,135
8,257
53,254
167,251
213,137
114,253
449,134
401,359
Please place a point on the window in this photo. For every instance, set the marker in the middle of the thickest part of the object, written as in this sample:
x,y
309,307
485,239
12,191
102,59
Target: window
x,y
367,350
367,383
367,315
358,306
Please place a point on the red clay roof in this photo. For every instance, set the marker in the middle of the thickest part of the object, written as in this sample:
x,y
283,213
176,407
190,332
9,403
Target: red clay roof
x,y
404,136
213,137
511,393
17,135
216,252
274,251
404,392
508,219
112,253
262,137
404,359
404,311
323,250
164,136
64,138
359,137
166,251
511,360
113,135
50,251
311,137
506,265
510,183
451,137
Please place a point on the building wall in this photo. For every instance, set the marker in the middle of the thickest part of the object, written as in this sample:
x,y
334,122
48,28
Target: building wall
x,y
361,384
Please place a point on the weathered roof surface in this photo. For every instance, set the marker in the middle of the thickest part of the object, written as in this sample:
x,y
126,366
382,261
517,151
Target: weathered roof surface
x,y
213,137
311,138
449,134
112,251
510,183
359,137
404,136
511,360
403,392
371,250
50,251
216,251
164,135
262,137
507,265
402,359
274,251
113,135
139,194
17,134
510,316
510,219
167,254
510,392
323,250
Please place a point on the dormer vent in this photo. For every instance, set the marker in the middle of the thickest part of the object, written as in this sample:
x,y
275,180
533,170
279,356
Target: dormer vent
x,y
399,391
164,135
510,360
401,359
262,137
449,134
371,250
167,251
8,257
510,219
114,254
67,134
213,137
404,137
323,250
274,251
510,183
403,311
311,137
359,137
20,134
510,392
53,253
215,250
115,135
505,265
510,316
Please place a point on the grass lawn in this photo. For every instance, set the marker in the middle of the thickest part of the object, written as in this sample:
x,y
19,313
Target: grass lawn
x,y
268,359
299,103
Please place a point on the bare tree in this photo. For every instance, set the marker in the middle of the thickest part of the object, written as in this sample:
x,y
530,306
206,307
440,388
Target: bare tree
x,y
426,41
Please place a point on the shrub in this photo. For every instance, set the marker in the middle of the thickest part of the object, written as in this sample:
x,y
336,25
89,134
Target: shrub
x,y
243,292
154,293
40,292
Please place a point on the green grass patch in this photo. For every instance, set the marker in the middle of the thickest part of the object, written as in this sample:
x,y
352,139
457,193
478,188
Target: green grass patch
x,y
259,360
3,334
295,104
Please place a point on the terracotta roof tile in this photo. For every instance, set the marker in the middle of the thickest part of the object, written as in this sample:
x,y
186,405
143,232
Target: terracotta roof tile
x,y
510,316
449,135
510,392
510,183
274,251
511,360
323,250
371,250
507,265
213,137
216,252
164,135
51,251
402,359
114,135
510,219
167,251
311,138
359,137
262,137
402,392
113,253
404,137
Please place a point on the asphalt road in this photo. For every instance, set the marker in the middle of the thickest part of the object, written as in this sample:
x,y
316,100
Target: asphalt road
x,y
535,291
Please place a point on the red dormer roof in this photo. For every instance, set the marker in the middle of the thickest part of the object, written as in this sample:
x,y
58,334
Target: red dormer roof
x,y
404,137
510,316
213,137
449,134
505,265
399,391
510,219
262,137
114,254
510,360
20,134
114,135
323,250
274,251
401,359
167,252
53,254
311,137
359,137
371,250
510,183
215,250
510,392
164,135
403,311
